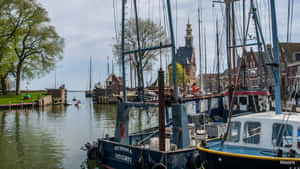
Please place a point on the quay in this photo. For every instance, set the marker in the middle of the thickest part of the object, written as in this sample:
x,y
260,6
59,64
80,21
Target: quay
x,y
39,98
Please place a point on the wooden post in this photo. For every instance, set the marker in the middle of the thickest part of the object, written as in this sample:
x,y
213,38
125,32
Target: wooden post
x,y
162,127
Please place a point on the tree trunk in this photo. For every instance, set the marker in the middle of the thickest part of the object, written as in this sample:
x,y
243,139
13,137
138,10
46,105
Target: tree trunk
x,y
18,79
4,84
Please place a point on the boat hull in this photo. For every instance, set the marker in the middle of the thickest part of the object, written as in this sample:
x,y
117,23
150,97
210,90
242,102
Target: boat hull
x,y
212,160
116,155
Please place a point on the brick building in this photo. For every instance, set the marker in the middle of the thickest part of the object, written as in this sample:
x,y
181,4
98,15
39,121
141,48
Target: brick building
x,y
114,83
289,54
185,56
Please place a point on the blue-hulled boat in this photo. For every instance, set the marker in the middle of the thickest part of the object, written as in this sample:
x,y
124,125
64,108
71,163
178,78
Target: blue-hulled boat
x,y
257,140
140,149
174,148
265,140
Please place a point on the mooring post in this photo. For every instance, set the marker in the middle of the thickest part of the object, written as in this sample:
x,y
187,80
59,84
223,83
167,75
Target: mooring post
x,y
121,132
162,127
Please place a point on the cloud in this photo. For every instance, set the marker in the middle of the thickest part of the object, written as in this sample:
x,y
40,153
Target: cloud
x,y
88,28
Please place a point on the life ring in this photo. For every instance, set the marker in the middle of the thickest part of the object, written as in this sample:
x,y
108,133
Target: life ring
x,y
159,166
194,161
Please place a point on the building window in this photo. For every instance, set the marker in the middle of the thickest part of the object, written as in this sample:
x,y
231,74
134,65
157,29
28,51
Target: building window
x,y
297,56
234,132
252,132
282,135
243,100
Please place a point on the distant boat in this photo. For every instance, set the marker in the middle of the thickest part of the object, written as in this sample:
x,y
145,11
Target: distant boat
x,y
78,103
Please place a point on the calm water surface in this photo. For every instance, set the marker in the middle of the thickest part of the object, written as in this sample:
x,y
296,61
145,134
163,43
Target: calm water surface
x,y
51,138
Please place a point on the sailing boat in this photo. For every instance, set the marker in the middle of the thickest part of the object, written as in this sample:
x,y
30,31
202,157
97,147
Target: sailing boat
x,y
144,149
265,140
89,93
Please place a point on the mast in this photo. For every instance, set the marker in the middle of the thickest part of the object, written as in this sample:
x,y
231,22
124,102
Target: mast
x,y
259,47
123,48
173,51
227,8
205,59
233,39
276,67
218,57
107,65
90,73
244,44
141,83
55,78
200,50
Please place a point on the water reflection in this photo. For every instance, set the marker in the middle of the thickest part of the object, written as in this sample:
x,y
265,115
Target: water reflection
x,y
51,137
24,146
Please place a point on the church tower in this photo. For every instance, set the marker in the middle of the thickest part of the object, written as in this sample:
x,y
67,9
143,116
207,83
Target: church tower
x,y
189,36
185,56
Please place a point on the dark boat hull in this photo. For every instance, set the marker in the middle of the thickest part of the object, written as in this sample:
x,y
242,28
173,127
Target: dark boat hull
x,y
211,160
120,156
88,93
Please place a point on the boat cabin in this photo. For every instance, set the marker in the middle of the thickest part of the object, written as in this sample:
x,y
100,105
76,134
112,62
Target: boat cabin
x,y
248,101
266,131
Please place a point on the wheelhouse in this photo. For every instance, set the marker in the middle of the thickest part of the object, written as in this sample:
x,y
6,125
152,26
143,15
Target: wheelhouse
x,y
266,131
248,101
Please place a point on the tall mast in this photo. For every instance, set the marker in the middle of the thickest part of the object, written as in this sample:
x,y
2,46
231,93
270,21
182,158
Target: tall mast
x,y
200,50
107,65
259,47
244,43
90,73
276,68
228,49
205,59
233,39
218,57
141,83
173,51
123,48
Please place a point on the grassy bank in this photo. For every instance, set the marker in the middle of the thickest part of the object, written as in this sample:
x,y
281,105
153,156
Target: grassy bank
x,y
12,98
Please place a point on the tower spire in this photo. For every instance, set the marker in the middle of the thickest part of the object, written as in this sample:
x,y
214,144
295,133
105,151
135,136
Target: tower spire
x,y
189,36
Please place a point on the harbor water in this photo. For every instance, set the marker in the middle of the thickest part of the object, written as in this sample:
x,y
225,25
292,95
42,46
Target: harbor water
x,y
51,137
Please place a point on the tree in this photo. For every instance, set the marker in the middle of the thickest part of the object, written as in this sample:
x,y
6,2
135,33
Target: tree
x,y
7,31
179,72
36,44
151,35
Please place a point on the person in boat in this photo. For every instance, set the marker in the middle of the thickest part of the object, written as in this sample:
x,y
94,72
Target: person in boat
x,y
195,90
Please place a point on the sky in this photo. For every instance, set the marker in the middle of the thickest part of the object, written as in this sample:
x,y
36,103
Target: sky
x,y
89,28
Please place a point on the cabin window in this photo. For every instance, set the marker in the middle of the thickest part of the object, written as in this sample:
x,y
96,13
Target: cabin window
x,y
252,132
243,100
234,132
282,135
297,56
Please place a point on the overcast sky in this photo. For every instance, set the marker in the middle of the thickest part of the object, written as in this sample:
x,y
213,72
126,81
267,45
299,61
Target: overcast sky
x,y
88,27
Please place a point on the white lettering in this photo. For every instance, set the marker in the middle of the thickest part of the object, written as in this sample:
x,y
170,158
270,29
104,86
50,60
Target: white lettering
x,y
123,158
287,162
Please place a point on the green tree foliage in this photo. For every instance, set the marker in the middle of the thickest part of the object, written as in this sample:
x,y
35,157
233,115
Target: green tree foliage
x,y
179,72
28,39
151,35
8,28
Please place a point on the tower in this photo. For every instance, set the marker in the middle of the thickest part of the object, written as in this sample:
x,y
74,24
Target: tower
x,y
189,36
